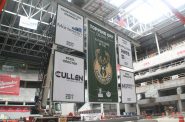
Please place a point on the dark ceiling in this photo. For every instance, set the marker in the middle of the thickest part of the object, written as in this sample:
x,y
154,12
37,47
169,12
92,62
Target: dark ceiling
x,y
32,45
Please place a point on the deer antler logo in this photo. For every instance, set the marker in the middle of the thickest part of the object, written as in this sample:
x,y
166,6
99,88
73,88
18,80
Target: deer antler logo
x,y
102,66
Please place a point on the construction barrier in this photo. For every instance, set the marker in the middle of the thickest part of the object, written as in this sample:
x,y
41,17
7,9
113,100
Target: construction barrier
x,y
181,119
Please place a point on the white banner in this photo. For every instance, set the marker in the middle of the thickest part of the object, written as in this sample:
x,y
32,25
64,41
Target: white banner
x,y
69,29
91,117
28,23
128,90
125,53
68,84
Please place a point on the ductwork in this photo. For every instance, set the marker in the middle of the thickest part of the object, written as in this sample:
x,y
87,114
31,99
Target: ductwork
x,y
79,3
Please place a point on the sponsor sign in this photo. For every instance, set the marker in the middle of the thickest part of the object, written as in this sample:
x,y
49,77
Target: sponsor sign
x,y
69,29
68,79
102,78
128,89
125,53
91,117
28,23
9,85
14,109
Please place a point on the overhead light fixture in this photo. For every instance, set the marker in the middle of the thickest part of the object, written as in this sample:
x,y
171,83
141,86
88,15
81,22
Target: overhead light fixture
x,y
149,11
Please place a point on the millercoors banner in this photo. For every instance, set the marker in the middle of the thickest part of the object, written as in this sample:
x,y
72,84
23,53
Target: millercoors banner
x,y
69,29
102,79
68,79
125,53
9,85
128,87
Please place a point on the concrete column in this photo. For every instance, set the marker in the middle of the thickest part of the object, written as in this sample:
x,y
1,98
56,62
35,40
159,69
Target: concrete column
x,y
179,91
138,109
179,105
135,52
157,43
102,109
118,109
6,103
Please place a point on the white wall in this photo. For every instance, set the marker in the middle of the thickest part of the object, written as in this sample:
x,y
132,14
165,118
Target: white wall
x,y
15,115
26,94
29,75
67,108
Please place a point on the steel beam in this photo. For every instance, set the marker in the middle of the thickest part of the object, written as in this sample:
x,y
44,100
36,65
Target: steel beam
x,y
11,25
103,23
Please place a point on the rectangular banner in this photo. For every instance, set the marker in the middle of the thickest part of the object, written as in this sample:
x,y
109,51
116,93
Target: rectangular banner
x,y
125,53
128,89
14,109
68,81
102,78
69,29
9,85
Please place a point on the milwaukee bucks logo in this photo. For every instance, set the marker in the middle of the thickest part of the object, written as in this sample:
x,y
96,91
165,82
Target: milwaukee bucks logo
x,y
102,67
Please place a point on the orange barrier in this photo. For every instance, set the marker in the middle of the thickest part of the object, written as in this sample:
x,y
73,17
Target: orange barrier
x,y
181,119
148,117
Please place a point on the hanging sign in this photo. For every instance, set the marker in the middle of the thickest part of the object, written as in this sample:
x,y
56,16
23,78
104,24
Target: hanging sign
x,y
102,78
68,81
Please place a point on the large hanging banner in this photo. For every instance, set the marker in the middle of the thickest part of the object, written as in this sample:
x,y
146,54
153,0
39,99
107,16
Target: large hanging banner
x,y
9,85
69,29
125,53
68,81
102,78
128,89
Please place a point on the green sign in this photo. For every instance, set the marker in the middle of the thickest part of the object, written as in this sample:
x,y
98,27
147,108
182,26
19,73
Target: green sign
x,y
102,78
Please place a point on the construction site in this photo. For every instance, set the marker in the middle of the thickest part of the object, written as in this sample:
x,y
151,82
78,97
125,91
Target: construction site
x,y
92,60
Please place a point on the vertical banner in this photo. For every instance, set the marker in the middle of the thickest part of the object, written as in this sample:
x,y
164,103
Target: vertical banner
x,y
102,78
68,81
69,29
2,4
128,89
9,85
125,53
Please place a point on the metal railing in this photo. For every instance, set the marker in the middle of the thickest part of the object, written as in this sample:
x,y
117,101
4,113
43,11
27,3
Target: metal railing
x,y
163,67
173,46
164,79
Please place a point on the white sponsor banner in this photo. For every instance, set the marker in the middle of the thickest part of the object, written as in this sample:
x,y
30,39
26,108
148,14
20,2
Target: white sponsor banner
x,y
128,90
69,29
91,117
68,81
125,53
28,23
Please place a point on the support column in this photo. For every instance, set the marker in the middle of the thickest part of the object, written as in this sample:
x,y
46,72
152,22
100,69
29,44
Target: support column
x,y
138,109
102,109
179,91
179,105
6,103
157,43
135,52
118,109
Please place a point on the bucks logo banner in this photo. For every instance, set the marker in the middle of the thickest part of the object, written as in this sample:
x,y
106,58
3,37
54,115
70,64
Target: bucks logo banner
x,y
102,78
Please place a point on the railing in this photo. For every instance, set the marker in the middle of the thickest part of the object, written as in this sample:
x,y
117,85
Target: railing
x,y
161,67
157,81
173,46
